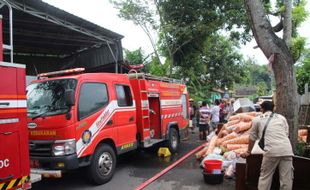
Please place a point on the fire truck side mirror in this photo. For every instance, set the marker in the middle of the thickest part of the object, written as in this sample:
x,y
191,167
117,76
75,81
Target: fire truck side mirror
x,y
70,98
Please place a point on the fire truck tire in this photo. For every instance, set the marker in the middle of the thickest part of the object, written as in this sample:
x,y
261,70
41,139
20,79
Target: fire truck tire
x,y
102,167
173,141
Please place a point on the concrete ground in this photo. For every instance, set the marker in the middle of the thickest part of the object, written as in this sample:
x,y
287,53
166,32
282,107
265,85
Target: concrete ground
x,y
136,167
188,175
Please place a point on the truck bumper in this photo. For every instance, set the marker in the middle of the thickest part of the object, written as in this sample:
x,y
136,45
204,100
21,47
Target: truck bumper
x,y
55,163
37,174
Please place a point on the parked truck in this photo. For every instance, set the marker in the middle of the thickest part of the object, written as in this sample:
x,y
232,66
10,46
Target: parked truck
x,y
14,153
78,119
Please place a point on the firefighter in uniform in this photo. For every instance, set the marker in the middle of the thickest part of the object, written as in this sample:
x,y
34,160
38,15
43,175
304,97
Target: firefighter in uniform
x,y
278,150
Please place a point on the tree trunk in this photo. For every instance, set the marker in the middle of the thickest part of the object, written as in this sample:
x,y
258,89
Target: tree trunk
x,y
287,102
172,62
287,22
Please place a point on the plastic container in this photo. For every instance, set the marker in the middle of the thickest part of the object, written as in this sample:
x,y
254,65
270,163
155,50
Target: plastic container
x,y
213,178
213,166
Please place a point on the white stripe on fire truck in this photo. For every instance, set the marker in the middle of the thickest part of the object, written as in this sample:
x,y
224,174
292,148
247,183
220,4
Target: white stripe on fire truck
x,y
166,116
171,107
174,102
144,103
100,122
164,103
8,121
13,104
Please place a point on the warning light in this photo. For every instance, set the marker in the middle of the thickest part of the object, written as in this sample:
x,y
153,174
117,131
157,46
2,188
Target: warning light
x,y
62,72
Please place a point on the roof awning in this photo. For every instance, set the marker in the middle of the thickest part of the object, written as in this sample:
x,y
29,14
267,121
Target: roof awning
x,y
42,29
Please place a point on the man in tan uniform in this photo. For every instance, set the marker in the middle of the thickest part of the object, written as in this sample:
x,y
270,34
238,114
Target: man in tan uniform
x,y
278,150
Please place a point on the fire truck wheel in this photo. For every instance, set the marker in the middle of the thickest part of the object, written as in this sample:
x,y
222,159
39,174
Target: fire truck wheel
x,y
173,141
103,164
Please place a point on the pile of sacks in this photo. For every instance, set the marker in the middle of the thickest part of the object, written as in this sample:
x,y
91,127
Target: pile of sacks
x,y
233,136
229,142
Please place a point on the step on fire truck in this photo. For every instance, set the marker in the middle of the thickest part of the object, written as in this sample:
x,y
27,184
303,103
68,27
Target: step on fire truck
x,y
78,119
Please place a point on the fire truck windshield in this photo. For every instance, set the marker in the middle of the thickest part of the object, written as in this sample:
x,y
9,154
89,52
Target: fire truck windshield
x,y
48,98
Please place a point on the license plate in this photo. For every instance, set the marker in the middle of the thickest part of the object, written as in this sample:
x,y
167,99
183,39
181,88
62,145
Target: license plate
x,y
34,164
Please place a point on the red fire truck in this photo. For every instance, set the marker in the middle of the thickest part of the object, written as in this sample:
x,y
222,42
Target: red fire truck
x,y
78,119
14,154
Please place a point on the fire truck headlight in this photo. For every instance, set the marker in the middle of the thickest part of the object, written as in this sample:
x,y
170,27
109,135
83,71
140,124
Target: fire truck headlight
x,y
64,147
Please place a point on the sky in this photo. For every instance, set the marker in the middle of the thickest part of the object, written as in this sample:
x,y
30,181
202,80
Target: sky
x,y
102,13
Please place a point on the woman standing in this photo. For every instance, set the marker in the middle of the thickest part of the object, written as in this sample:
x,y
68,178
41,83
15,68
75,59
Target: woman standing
x,y
204,118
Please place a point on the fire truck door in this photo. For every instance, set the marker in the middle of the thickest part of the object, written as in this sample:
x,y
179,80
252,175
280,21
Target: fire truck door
x,y
125,117
155,124
92,111
8,93
9,125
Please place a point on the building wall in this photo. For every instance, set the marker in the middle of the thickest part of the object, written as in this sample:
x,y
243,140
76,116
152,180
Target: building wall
x,y
94,57
214,96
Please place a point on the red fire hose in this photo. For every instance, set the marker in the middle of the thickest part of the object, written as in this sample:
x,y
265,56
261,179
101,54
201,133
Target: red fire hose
x,y
159,174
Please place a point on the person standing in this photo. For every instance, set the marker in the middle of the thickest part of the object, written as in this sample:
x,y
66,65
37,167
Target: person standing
x,y
215,114
222,107
277,151
192,110
204,118
230,109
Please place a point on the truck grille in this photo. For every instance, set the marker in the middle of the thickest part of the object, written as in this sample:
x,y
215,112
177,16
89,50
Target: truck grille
x,y
40,148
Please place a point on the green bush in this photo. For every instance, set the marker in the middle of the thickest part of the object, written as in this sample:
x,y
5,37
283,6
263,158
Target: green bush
x,y
300,149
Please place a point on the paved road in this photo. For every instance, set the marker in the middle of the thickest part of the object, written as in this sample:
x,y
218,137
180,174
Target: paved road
x,y
136,167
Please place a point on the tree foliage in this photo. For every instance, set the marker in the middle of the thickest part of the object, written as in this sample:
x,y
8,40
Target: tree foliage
x,y
140,13
219,65
223,61
151,64
302,72
256,74
261,89
185,25
154,67
135,57
190,40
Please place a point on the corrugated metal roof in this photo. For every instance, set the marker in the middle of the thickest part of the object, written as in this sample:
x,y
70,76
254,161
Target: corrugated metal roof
x,y
44,34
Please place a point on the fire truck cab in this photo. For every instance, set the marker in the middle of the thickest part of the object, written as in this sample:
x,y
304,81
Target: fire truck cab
x,y
78,119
